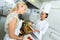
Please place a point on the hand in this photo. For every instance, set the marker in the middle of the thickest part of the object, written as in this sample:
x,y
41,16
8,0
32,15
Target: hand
x,y
30,23
23,21
21,37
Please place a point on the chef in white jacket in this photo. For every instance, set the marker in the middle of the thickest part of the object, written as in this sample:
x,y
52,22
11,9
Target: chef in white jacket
x,y
42,25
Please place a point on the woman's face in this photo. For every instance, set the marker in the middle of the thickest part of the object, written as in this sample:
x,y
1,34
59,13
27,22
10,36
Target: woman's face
x,y
22,8
43,15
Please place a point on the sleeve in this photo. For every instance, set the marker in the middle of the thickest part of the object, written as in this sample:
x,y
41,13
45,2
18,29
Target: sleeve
x,y
10,17
44,29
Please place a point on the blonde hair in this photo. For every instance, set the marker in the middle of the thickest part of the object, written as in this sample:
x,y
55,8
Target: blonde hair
x,y
17,6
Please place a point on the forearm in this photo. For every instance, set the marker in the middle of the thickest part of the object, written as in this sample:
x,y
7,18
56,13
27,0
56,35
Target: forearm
x,y
36,30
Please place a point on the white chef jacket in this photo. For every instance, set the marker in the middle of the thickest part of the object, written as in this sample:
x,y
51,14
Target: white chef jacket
x,y
42,26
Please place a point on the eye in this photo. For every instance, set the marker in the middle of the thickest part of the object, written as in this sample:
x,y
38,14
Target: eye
x,y
21,6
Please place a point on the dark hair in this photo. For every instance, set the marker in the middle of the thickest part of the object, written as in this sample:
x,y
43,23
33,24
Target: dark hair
x,y
20,17
46,15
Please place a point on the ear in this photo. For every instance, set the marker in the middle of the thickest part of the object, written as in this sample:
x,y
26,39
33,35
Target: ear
x,y
46,16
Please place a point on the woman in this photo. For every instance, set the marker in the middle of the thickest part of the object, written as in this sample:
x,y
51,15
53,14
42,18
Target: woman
x,y
13,24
